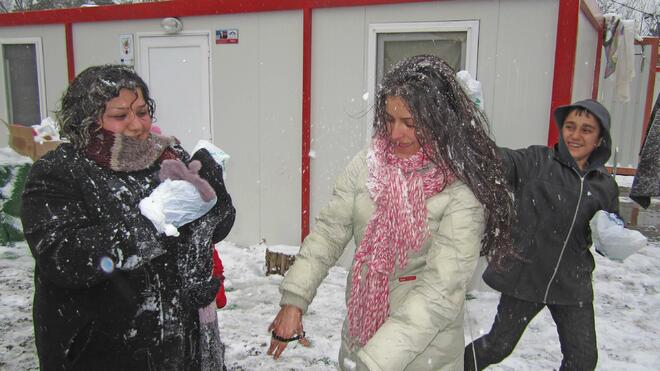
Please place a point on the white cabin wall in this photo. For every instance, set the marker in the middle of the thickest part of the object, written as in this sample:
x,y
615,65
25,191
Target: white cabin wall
x,y
96,43
257,114
256,104
585,59
280,87
256,90
515,67
524,62
53,42
338,112
339,80
236,116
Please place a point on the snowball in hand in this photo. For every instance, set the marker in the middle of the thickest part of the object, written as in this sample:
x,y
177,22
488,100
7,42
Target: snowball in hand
x,y
175,203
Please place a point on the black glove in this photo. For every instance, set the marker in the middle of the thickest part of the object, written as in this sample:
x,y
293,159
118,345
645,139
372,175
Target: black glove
x,y
211,171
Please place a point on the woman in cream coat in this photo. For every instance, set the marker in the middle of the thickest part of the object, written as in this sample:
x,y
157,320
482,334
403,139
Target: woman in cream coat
x,y
421,203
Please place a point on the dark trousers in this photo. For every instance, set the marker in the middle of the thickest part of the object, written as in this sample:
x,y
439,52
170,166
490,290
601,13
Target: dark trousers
x,y
575,326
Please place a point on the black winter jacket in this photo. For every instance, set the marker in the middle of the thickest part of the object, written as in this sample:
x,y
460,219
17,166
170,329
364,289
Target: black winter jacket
x,y
110,292
555,202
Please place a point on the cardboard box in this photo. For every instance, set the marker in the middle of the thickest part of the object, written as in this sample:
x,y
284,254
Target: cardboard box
x,y
21,139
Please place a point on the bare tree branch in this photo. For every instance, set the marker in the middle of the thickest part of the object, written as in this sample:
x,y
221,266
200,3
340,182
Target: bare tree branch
x,y
644,12
7,6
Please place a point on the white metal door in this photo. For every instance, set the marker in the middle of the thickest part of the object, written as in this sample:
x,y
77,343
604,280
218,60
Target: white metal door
x,y
176,69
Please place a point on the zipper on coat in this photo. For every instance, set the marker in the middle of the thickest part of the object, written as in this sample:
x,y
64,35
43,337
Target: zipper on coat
x,y
568,235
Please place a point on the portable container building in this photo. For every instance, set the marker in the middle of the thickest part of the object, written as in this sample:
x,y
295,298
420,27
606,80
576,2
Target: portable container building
x,y
286,86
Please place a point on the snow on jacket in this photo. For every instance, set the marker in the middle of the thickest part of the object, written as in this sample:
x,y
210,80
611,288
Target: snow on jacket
x,y
555,202
140,314
424,329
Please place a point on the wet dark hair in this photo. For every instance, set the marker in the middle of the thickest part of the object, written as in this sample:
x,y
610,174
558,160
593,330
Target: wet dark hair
x,y
451,129
83,103
583,111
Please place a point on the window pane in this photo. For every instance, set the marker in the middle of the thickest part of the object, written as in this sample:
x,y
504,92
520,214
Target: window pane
x,y
20,64
392,47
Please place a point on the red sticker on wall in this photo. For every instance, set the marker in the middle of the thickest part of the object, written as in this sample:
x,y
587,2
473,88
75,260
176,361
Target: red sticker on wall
x,y
226,36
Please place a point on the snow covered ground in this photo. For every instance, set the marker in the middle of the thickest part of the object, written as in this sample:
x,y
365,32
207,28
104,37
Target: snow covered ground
x,y
627,316
17,350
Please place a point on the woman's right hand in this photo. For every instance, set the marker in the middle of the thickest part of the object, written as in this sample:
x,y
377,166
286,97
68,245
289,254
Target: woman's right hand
x,y
287,324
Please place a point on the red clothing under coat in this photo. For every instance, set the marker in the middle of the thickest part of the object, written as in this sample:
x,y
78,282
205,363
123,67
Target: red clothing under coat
x,y
218,270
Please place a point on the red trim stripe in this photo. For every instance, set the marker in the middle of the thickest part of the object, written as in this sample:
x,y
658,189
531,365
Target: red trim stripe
x,y
565,47
622,170
306,121
70,62
599,53
176,8
592,11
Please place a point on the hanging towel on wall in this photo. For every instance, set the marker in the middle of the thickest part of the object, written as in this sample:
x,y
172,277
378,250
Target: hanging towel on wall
x,y
611,42
619,44
625,71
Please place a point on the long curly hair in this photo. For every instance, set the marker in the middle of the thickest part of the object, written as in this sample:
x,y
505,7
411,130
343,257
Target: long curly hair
x,y
83,102
455,132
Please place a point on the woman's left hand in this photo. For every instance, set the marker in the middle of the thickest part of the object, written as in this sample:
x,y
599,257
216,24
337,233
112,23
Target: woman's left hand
x,y
286,325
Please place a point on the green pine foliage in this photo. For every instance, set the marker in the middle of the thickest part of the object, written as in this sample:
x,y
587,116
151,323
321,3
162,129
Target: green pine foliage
x,y
12,183
9,233
13,204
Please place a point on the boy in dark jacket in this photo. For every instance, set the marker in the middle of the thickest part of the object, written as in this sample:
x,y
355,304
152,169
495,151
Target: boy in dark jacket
x,y
557,192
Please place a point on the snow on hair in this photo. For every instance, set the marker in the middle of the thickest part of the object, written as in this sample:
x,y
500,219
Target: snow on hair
x,y
83,103
456,132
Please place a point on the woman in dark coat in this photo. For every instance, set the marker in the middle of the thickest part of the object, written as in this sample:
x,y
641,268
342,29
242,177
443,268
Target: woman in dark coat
x,y
111,293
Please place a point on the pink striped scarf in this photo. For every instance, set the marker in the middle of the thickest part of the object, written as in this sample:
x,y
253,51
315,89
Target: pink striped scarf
x,y
399,188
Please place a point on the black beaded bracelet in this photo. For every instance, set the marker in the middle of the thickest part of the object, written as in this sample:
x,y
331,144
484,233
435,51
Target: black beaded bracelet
x,y
278,338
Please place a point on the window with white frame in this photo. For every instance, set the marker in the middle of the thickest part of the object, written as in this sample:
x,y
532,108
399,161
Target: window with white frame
x,y
23,81
456,42
393,47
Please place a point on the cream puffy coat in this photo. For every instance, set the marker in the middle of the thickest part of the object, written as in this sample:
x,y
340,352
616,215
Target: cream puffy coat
x,y
424,329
